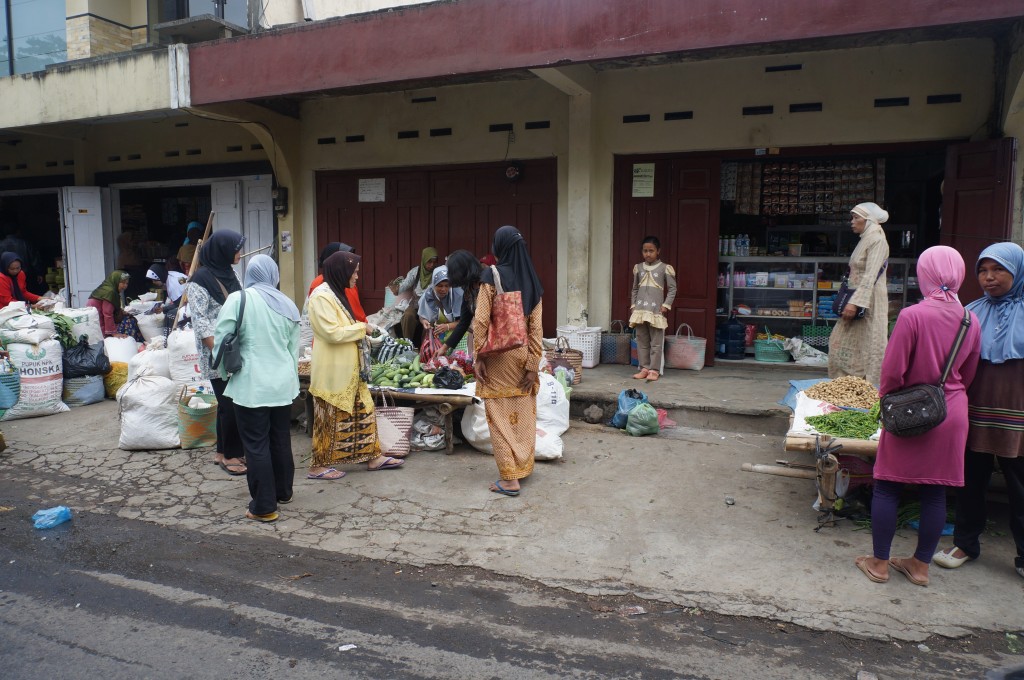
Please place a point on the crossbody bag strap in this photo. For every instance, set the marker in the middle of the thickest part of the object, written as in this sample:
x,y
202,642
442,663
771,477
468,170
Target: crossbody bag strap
x,y
241,312
964,325
497,281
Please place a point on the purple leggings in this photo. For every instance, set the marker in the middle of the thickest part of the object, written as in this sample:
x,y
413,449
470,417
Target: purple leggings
x,y
884,504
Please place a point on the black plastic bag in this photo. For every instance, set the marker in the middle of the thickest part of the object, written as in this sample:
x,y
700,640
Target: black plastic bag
x,y
84,360
448,378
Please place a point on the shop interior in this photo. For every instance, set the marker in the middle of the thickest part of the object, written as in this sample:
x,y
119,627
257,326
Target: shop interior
x,y
31,222
153,225
786,236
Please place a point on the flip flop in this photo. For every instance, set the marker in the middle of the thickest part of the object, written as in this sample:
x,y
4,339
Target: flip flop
x,y
390,463
266,519
224,466
503,491
898,566
324,475
862,564
286,501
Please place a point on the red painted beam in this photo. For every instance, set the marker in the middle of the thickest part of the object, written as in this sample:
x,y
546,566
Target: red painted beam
x,y
481,36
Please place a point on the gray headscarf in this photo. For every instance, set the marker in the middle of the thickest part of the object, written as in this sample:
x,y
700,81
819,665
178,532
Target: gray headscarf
x,y
262,275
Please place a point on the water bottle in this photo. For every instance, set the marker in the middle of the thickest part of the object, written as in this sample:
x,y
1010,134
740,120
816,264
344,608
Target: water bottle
x,y
745,249
732,245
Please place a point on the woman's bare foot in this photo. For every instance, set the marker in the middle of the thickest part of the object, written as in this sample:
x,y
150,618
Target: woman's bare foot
x,y
875,569
914,569
506,487
383,463
652,376
642,375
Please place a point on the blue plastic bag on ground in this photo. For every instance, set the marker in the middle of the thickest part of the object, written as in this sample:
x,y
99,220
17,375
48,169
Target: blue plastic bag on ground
x,y
642,420
628,400
51,517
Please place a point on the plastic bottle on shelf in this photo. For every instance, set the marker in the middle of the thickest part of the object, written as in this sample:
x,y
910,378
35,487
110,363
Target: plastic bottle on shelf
x,y
742,248
721,244
732,245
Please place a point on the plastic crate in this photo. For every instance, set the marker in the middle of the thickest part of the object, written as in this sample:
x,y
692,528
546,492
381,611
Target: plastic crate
x,y
586,339
770,351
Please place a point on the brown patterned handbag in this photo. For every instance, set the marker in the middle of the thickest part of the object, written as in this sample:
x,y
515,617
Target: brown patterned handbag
x,y
507,329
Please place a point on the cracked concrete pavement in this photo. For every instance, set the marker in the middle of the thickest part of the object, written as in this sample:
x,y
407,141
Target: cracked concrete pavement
x,y
616,515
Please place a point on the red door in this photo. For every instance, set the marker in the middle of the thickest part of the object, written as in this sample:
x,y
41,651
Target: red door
x,y
684,214
976,201
449,208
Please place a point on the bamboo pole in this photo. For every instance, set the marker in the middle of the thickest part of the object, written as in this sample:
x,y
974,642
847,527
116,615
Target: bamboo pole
x,y
779,471
860,447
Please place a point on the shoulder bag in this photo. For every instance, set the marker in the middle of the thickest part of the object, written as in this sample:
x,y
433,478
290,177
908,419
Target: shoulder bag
x,y
844,294
230,350
507,329
916,409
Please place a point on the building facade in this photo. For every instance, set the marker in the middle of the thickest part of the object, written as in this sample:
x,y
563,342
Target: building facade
x,y
586,123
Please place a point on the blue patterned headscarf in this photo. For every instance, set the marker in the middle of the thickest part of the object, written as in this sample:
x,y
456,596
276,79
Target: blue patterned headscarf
x,y
1002,318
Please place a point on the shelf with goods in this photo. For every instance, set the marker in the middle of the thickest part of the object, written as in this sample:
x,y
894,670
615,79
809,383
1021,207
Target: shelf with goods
x,y
793,295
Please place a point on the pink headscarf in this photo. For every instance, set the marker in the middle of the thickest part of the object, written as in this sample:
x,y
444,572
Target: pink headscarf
x,y
940,271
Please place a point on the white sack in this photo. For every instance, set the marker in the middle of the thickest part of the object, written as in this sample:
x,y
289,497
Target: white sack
x,y
183,358
29,322
151,325
42,380
148,411
84,321
84,391
14,308
157,360
120,349
804,354
552,422
27,336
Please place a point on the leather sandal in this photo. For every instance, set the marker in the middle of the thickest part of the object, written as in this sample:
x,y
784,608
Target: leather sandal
x,y
642,375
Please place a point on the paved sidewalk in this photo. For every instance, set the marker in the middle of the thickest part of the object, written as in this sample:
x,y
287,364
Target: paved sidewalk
x,y
616,515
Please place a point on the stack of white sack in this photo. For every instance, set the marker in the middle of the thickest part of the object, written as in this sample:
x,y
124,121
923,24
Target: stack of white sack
x,y
184,361
552,421
17,324
84,321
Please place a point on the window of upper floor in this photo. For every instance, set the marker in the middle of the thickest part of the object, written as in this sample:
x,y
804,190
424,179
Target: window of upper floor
x,y
232,11
32,35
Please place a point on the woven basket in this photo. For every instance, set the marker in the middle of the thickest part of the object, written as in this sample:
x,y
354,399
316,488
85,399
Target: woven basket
x,y
816,336
197,427
685,351
615,345
586,339
562,351
770,351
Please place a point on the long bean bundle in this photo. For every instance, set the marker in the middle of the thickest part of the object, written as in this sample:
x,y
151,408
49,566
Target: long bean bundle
x,y
849,424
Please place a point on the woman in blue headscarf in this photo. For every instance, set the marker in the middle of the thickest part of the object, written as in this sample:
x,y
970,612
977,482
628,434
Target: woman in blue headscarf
x,y
995,406
441,304
263,390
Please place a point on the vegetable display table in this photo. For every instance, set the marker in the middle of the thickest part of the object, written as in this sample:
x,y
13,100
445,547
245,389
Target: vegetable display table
x,y
447,401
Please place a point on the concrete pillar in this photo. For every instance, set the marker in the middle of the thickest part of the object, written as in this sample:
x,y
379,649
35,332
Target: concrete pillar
x,y
578,83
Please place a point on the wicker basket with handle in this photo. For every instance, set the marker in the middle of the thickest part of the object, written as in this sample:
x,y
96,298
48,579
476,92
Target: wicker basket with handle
x,y
615,344
563,353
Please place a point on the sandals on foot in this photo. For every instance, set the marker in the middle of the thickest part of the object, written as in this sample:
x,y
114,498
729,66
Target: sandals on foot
x,y
945,559
641,375
267,518
898,566
652,376
503,491
862,564
389,463
226,467
330,474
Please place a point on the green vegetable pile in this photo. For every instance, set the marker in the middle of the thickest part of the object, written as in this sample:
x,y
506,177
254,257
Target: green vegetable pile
x,y
403,371
849,424
63,326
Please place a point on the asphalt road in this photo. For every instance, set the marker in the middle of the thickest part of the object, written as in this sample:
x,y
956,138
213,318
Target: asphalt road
x,y
107,597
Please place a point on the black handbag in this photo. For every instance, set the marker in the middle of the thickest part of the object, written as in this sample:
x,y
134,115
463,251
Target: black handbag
x,y
916,409
230,350
844,294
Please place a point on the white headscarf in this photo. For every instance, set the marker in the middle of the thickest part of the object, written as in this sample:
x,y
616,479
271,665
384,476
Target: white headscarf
x,y
262,275
872,213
